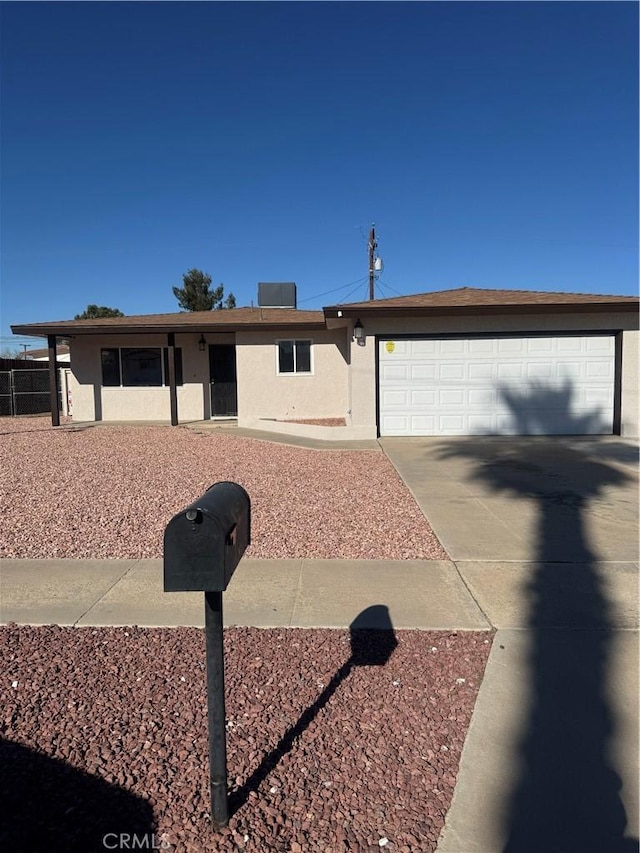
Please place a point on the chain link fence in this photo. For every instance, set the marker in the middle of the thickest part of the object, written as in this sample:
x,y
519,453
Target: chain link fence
x,y
6,398
25,392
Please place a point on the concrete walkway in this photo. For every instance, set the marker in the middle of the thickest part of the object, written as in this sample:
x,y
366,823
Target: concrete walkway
x,y
230,427
262,593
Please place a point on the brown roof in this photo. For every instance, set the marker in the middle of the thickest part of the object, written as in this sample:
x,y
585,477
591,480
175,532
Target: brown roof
x,y
61,349
459,301
480,300
187,321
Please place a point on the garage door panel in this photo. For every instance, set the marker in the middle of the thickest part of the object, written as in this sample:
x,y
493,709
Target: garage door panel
x,y
602,344
394,372
598,397
572,371
452,424
452,397
482,397
510,346
482,370
396,425
481,424
569,345
541,370
426,370
541,346
402,348
423,348
511,370
398,399
599,370
537,385
481,346
423,397
453,347
453,370
422,425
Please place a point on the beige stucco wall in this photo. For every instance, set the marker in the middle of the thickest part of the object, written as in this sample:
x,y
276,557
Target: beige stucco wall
x,y
363,374
93,402
262,393
630,381
343,381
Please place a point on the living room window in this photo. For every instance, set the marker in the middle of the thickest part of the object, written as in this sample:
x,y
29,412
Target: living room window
x,y
294,356
138,367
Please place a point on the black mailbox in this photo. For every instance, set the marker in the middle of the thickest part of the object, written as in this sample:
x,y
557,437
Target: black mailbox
x,y
204,543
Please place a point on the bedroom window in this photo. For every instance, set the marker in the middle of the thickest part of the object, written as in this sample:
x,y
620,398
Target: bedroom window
x,y
294,356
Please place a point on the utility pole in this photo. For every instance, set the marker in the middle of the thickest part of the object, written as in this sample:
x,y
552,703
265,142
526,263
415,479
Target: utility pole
x,y
372,251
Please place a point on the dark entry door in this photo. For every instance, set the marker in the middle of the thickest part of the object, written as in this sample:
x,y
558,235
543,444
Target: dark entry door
x,y
224,388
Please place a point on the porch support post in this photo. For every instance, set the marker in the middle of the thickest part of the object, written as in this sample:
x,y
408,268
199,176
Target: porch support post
x,y
173,392
54,385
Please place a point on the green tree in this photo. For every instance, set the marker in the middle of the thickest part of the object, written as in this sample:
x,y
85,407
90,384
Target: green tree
x,y
197,295
96,312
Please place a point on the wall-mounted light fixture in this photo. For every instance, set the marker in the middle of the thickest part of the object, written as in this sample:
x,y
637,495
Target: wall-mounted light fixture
x,y
358,332
202,343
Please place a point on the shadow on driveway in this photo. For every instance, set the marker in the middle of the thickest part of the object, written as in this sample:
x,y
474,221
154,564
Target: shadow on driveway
x,y
567,797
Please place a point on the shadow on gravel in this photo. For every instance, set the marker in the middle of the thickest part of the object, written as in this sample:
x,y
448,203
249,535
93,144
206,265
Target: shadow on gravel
x,y
566,794
49,806
373,641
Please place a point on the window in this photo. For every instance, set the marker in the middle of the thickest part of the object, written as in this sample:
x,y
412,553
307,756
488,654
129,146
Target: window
x,y
141,367
110,367
294,356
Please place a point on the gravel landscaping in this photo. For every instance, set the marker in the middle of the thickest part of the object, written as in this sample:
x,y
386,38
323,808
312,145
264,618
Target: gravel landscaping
x,y
336,741
108,492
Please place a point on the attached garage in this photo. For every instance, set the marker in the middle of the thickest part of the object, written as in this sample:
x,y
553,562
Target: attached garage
x,y
508,385
467,361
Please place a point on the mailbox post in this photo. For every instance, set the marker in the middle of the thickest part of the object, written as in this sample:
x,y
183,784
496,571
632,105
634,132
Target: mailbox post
x,y
215,708
203,544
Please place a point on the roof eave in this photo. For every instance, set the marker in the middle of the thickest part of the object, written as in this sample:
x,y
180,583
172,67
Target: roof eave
x,y
479,310
43,330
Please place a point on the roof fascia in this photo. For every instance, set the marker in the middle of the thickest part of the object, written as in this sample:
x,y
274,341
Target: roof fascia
x,y
41,330
481,310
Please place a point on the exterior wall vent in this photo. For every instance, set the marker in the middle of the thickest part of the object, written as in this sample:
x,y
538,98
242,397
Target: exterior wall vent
x,y
277,294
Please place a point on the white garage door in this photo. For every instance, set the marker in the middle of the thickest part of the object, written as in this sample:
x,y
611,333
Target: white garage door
x,y
560,385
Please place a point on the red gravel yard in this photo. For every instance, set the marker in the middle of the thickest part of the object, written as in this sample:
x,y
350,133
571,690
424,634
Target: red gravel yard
x,y
104,734
108,492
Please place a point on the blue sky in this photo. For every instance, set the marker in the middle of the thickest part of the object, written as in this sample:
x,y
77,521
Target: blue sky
x,y
493,144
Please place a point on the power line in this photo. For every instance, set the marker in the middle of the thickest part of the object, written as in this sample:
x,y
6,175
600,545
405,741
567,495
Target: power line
x,y
360,283
388,287
382,286
334,290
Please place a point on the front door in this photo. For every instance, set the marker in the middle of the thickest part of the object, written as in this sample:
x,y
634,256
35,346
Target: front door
x,y
224,388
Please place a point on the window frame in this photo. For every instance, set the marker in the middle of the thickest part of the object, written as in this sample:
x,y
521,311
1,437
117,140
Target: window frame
x,y
164,362
295,371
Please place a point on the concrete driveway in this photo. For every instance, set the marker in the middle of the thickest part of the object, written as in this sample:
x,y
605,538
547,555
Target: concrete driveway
x,y
499,498
516,514
544,534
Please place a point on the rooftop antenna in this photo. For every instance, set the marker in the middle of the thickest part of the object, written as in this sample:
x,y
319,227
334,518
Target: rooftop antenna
x,y
375,263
